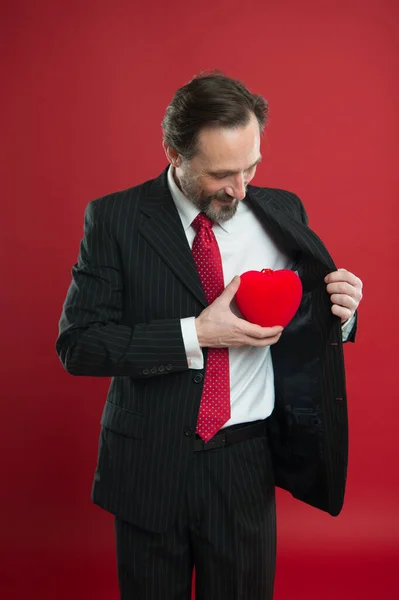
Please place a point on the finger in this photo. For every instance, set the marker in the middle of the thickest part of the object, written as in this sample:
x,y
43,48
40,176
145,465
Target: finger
x,y
340,311
343,275
250,341
256,331
261,343
342,287
344,300
230,290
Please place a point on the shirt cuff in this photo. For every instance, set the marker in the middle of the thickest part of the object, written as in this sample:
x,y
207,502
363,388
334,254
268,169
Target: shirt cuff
x,y
195,358
346,327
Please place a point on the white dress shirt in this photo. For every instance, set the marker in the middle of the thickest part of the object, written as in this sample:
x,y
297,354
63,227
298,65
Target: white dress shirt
x,y
244,245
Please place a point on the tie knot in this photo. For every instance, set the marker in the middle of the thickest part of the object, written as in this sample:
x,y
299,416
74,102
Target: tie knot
x,y
201,220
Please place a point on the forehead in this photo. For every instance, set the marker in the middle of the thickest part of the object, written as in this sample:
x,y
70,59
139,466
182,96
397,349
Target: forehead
x,y
229,148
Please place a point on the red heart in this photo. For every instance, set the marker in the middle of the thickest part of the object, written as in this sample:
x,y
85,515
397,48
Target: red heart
x,y
268,297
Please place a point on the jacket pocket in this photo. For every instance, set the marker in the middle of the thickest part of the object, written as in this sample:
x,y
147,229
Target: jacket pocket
x,y
122,421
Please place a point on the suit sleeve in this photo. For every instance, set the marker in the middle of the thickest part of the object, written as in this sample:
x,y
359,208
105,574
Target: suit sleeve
x,y
92,340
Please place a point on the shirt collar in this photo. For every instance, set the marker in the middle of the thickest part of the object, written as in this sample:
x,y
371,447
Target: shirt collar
x,y
187,210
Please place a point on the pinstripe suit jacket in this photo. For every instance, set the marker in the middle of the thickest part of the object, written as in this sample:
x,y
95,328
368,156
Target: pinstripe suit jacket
x,y
134,280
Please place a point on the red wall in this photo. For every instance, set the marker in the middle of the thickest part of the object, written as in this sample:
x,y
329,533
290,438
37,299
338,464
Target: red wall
x,y
84,89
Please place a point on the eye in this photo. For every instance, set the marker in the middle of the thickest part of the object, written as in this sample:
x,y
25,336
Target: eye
x,y
220,175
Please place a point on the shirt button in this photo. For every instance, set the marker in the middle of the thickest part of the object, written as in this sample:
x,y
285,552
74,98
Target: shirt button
x,y
198,377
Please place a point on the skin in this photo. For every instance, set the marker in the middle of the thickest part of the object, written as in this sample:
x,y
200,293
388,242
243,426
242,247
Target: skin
x,y
215,180
346,292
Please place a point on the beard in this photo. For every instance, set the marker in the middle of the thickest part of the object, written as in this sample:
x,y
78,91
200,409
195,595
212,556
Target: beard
x,y
217,214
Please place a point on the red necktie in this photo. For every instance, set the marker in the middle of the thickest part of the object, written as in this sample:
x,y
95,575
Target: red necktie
x,y
215,402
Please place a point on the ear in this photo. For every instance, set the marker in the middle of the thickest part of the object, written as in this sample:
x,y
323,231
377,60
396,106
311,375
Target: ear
x,y
173,157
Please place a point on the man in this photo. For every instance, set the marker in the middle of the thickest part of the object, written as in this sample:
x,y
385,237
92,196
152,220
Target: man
x,y
207,412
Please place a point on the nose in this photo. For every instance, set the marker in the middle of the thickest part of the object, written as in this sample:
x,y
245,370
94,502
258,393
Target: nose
x,y
237,187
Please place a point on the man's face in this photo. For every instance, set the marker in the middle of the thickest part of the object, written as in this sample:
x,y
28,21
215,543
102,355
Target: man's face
x,y
215,180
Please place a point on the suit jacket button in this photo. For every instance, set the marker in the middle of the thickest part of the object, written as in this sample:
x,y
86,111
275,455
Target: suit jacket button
x,y
146,371
161,369
154,370
198,377
189,432
168,367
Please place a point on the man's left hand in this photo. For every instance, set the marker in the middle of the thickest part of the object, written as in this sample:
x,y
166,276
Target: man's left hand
x,y
345,290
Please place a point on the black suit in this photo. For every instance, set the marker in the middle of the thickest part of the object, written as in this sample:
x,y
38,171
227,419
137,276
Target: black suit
x,y
134,280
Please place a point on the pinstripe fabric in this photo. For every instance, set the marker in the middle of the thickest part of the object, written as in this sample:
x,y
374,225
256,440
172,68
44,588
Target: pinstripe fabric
x,y
308,428
227,528
134,280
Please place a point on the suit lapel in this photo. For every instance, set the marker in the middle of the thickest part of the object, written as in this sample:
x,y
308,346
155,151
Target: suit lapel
x,y
163,229
287,230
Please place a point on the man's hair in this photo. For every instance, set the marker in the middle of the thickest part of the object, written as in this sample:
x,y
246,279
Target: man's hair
x,y
209,99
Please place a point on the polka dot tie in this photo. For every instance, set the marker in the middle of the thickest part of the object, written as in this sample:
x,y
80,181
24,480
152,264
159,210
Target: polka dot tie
x,y
215,402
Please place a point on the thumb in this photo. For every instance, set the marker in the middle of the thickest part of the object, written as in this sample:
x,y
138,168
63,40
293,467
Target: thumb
x,y
231,289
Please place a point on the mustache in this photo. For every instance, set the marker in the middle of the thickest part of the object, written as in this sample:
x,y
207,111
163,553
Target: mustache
x,y
222,196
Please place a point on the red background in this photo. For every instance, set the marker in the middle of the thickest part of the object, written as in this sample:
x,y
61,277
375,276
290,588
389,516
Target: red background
x,y
85,86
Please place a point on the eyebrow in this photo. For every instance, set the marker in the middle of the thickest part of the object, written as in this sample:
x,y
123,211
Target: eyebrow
x,y
224,171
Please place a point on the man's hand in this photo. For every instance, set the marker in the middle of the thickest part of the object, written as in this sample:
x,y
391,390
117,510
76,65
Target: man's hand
x,y
218,327
346,293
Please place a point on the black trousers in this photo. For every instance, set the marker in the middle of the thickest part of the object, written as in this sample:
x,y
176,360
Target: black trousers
x,y
226,529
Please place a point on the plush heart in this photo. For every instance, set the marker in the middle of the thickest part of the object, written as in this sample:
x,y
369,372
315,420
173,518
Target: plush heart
x,y
268,297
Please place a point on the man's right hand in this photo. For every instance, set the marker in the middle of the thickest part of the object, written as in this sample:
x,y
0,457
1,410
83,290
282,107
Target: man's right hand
x,y
218,327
